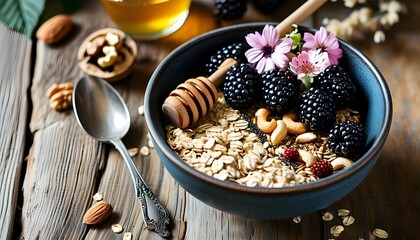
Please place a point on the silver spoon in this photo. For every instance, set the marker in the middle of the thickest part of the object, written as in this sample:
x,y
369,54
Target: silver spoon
x,y
102,113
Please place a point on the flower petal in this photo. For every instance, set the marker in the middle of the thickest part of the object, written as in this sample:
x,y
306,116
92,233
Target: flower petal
x,y
270,35
253,55
321,35
280,60
265,64
310,42
261,65
285,46
254,40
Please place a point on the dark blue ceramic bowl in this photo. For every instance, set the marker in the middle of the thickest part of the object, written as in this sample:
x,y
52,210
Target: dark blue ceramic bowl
x,y
188,61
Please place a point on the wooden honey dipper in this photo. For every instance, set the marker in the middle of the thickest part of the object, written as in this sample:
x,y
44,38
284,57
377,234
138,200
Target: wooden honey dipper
x,y
194,98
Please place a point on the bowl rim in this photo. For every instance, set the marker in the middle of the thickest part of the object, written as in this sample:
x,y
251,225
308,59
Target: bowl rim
x,y
367,157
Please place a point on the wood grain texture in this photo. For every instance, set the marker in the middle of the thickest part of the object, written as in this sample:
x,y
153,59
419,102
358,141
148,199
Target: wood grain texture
x,y
390,195
64,167
15,69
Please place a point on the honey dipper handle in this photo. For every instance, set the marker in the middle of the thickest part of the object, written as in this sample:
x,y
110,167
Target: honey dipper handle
x,y
218,76
298,16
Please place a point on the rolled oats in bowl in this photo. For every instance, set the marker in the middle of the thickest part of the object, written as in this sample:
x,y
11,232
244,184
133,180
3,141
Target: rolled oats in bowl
x,y
227,145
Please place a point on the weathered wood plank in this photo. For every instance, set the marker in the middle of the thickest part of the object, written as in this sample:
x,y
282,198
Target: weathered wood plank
x,y
64,164
389,197
15,67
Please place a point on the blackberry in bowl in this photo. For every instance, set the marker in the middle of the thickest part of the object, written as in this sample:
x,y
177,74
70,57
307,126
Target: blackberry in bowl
x,y
280,90
241,85
317,109
372,97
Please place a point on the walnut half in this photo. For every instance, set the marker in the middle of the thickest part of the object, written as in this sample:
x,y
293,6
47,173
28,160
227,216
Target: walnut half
x,y
95,59
59,96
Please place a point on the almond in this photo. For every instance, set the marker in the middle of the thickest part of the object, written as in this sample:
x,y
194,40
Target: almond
x,y
55,29
98,213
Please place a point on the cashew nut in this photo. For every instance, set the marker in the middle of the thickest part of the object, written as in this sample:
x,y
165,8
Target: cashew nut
x,y
110,57
292,126
306,137
340,163
279,133
308,157
262,123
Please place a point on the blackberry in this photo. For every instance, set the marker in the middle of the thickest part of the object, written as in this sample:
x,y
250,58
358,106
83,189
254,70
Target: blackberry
x,y
235,51
267,6
241,85
317,110
336,81
280,90
230,9
322,169
346,138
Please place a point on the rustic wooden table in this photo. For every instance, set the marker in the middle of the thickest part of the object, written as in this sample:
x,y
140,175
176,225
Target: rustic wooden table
x,y
50,169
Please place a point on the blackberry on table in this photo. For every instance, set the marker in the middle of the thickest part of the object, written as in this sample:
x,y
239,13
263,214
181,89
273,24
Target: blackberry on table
x,y
230,9
241,86
267,6
280,90
235,51
336,81
346,138
317,110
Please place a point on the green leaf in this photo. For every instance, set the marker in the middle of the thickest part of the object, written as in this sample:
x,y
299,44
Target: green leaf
x,y
21,15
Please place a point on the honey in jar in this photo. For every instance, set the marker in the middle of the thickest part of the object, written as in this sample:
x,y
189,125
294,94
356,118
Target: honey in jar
x,y
147,19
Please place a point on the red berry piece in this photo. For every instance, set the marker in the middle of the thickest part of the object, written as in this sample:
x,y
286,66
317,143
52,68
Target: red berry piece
x,y
322,169
291,154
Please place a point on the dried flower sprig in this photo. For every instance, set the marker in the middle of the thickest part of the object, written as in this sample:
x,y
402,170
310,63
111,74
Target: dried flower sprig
x,y
365,19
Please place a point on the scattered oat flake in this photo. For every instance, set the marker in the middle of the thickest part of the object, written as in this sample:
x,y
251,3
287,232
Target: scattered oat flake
x,y
327,216
343,212
348,220
133,152
297,219
116,228
336,230
141,110
145,151
380,233
128,236
97,197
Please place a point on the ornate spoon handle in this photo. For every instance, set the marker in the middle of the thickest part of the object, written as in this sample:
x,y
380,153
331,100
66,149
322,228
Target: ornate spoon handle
x,y
155,214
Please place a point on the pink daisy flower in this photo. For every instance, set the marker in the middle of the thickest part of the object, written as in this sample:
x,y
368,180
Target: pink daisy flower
x,y
322,40
267,51
308,64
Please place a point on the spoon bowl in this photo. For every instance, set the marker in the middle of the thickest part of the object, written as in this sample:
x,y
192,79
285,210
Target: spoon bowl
x,y
103,114
101,111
